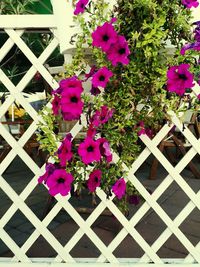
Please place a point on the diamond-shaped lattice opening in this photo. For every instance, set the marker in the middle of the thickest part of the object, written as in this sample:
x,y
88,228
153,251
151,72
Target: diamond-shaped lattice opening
x,y
106,226
85,248
150,227
4,250
19,228
41,248
4,148
5,203
192,172
151,169
173,200
63,227
18,174
37,200
32,148
172,248
128,248
190,227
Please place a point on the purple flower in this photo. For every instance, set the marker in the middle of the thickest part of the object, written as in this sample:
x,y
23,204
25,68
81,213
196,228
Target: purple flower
x,y
198,96
71,82
64,151
104,36
80,6
193,46
59,182
89,151
49,169
197,31
105,150
71,103
95,91
141,128
56,104
119,188
102,116
134,199
94,180
119,51
101,77
179,79
91,132
190,3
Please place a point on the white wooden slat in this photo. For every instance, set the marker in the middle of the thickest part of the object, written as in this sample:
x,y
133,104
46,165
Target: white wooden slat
x,y
34,220
8,45
27,21
87,230
32,58
13,246
131,230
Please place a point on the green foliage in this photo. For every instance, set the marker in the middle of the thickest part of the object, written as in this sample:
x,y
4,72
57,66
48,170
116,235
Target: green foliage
x,y
17,6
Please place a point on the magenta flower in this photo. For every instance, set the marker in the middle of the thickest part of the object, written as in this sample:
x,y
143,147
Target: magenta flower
x,y
91,132
105,150
71,82
119,188
49,169
119,52
193,46
89,151
80,6
101,77
64,151
94,180
104,36
179,79
91,72
102,116
59,182
190,3
56,104
141,128
198,96
71,103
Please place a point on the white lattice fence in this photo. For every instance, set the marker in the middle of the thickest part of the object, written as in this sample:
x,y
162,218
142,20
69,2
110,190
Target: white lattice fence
x,y
15,29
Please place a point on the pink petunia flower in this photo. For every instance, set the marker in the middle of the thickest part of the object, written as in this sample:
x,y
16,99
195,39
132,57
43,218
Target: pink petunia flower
x,y
71,103
119,188
64,151
119,52
198,96
71,82
179,79
56,105
102,116
49,169
91,72
91,132
94,180
104,36
105,150
80,6
59,182
190,3
101,77
197,31
89,151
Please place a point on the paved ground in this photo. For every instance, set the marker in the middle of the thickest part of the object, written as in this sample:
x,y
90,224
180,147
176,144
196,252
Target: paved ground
x,y
106,227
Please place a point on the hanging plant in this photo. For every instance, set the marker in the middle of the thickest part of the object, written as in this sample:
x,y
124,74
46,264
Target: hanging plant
x,y
130,69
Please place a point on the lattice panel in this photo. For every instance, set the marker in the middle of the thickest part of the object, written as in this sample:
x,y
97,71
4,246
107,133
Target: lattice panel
x,y
129,226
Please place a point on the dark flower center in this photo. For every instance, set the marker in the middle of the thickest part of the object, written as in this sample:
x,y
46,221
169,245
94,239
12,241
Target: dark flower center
x,y
90,149
105,37
82,5
74,99
102,78
183,77
96,179
122,51
60,181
